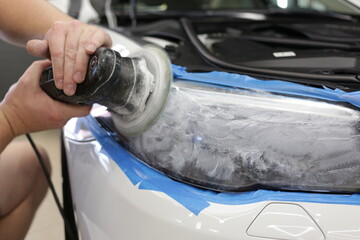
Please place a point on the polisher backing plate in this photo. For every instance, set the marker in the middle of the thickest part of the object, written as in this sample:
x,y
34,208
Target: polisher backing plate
x,y
159,65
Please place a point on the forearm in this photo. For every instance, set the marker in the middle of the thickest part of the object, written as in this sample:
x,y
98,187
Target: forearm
x,y
22,20
6,134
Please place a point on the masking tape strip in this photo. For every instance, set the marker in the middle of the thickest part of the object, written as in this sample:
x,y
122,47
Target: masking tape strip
x,y
195,199
274,86
192,198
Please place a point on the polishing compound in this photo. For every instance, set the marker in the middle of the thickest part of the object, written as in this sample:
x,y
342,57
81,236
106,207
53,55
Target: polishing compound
x,y
134,89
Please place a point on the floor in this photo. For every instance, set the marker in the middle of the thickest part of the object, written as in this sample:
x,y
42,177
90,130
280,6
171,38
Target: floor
x,y
47,223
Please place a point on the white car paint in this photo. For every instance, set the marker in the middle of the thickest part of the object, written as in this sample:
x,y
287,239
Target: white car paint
x,y
109,206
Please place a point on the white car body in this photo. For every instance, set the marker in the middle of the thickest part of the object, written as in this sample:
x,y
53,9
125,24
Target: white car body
x,y
111,203
110,206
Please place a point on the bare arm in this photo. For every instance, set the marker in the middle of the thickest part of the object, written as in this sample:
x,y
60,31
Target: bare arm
x,y
22,20
68,42
26,108
5,132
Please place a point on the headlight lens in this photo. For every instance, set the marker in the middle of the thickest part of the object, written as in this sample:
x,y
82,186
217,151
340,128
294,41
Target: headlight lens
x,y
234,140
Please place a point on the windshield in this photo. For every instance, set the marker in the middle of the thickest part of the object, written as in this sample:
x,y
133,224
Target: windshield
x,y
337,6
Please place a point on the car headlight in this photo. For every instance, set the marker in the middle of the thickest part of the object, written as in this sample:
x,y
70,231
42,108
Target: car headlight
x,y
232,140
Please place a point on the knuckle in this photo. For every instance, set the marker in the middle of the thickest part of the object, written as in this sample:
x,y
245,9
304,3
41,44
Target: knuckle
x,y
91,36
76,24
84,42
35,64
58,74
38,64
57,25
21,84
70,54
82,61
57,53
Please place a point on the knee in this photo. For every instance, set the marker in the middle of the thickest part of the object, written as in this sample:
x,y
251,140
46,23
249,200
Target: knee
x,y
37,167
33,169
20,163
33,164
45,157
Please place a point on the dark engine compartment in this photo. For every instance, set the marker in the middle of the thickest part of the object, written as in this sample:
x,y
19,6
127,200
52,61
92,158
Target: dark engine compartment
x,y
315,51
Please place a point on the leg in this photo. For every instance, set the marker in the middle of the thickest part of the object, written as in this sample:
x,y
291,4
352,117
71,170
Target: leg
x,y
22,188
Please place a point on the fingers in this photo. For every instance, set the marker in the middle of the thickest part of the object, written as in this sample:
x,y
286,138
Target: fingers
x,y
91,39
97,38
38,48
32,75
36,111
31,78
45,110
72,50
56,39
65,111
70,44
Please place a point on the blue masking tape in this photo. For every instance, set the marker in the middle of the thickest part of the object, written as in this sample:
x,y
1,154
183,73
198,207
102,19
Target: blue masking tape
x,y
275,86
195,199
192,198
139,173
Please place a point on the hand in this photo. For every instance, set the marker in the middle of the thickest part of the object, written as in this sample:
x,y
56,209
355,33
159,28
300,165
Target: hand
x,y
28,108
69,45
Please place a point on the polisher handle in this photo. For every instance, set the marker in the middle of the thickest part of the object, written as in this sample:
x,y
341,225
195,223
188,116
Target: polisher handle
x,y
47,83
99,70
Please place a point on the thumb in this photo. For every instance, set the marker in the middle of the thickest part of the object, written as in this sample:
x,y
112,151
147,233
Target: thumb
x,y
38,48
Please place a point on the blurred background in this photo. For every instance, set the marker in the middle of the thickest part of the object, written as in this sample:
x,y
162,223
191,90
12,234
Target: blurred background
x,y
47,223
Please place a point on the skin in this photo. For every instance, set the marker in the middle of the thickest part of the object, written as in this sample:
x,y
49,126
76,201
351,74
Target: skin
x,y
49,33
53,34
43,112
26,108
20,199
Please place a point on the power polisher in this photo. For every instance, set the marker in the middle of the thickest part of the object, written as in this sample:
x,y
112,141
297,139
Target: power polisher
x,y
134,89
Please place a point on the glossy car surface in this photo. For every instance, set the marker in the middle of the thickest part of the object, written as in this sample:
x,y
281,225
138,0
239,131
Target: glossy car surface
x,y
259,138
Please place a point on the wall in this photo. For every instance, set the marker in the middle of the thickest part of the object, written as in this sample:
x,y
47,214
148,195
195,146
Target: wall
x,y
13,62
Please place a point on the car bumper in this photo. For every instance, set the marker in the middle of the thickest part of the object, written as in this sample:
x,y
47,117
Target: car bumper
x,y
118,197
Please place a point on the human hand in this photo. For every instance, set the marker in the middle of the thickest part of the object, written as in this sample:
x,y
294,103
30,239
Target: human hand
x,y
28,108
69,45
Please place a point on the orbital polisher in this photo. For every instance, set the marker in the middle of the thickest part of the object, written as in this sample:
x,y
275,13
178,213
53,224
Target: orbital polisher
x,y
134,89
